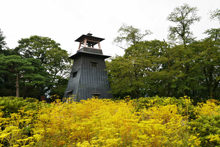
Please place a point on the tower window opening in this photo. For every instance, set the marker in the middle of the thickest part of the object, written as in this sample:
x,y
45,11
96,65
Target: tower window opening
x,y
69,93
74,74
96,95
94,64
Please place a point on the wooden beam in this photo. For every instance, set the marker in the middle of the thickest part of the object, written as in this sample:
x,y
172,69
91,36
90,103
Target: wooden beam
x,y
93,40
79,46
99,45
85,42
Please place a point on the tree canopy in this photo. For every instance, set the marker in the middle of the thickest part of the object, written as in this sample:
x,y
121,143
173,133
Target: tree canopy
x,y
28,70
181,66
215,14
129,35
38,65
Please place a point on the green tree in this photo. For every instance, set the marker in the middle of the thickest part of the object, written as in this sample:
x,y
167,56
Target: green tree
x,y
184,16
129,35
7,80
125,73
183,67
54,59
125,77
27,69
139,72
2,46
60,88
210,61
215,14
33,78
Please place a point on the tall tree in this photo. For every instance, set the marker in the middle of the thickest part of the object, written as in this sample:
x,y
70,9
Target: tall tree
x,y
184,16
6,80
130,66
138,73
54,59
27,69
210,61
129,35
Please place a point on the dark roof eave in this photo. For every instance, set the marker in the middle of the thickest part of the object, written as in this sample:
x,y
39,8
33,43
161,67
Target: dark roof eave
x,y
78,54
81,38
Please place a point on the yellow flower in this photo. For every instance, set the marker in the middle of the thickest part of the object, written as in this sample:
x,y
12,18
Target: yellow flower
x,y
62,142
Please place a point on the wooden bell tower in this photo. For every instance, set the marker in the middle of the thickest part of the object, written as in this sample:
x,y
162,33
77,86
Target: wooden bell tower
x,y
88,77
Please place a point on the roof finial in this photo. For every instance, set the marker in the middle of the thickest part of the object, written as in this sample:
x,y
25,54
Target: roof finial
x,y
89,34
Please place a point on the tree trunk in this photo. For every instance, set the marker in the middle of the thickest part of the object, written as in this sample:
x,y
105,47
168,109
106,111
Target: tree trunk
x,y
25,91
17,85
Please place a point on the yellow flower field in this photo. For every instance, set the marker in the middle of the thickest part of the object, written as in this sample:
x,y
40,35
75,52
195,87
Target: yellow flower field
x,y
104,123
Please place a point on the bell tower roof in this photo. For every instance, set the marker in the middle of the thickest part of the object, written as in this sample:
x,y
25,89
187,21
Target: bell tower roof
x,y
89,41
89,37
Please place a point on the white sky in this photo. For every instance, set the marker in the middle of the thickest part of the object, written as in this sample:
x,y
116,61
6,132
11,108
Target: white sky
x,y
66,20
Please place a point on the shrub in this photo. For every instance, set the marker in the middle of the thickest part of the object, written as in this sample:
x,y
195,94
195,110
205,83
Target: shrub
x,y
16,120
184,104
12,104
207,124
207,128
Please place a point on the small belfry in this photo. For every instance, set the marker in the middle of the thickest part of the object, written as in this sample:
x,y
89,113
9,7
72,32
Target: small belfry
x,y
88,77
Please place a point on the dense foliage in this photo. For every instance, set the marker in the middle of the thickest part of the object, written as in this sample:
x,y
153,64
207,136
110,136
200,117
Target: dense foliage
x,y
180,66
12,104
36,67
151,121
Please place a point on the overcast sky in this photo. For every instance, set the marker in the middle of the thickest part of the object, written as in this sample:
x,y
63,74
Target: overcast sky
x,y
66,20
